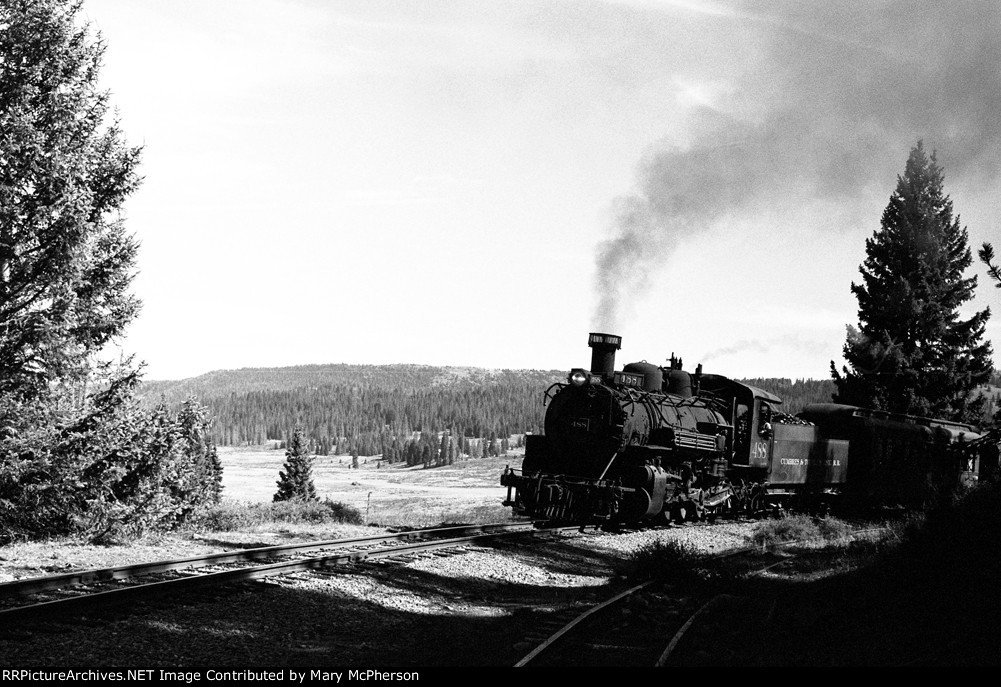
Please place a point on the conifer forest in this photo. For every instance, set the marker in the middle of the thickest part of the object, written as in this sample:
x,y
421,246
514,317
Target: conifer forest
x,y
378,409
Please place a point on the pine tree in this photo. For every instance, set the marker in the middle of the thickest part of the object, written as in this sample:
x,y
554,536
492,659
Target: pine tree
x,y
78,452
443,450
202,469
65,171
912,353
295,482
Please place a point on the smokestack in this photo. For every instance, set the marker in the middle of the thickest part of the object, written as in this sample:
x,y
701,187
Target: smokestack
x,y
603,347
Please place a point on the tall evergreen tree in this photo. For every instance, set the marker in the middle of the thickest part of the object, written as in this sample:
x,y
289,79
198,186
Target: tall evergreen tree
x,y
912,353
442,456
295,482
78,453
65,171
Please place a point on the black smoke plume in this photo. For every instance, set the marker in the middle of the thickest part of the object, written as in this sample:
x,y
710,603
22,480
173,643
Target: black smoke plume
x,y
833,97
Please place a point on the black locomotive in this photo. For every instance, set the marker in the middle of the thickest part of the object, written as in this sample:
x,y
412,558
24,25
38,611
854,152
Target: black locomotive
x,y
659,443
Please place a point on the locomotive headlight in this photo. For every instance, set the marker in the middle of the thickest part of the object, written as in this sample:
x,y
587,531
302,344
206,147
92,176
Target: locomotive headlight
x,y
578,377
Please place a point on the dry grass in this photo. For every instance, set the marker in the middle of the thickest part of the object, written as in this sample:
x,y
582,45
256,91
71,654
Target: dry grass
x,y
803,528
386,495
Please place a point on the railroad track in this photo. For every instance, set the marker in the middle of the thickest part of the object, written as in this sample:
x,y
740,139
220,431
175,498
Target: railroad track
x,y
131,637
58,595
630,627
623,630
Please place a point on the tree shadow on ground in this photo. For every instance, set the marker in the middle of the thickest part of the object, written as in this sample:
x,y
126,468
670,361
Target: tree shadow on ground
x,y
434,620
934,601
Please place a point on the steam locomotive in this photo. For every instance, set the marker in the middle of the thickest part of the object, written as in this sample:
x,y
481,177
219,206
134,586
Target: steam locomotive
x,y
659,444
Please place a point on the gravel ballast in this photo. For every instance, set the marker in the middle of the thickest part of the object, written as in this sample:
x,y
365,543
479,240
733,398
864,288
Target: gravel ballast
x,y
473,607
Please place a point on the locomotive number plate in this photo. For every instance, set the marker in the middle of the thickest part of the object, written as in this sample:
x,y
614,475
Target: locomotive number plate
x,y
628,379
581,423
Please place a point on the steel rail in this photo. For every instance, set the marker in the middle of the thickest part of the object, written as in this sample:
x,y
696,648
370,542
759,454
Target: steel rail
x,y
684,628
552,639
680,633
569,626
662,660
35,585
150,590
672,645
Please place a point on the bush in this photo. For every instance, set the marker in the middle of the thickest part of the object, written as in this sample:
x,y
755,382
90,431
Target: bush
x,y
803,528
832,528
679,565
231,516
785,529
844,546
103,467
344,513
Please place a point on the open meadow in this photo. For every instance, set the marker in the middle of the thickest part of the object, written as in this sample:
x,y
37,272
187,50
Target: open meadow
x,y
385,495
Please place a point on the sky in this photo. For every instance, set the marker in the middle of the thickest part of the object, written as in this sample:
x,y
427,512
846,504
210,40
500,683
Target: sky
x,y
484,183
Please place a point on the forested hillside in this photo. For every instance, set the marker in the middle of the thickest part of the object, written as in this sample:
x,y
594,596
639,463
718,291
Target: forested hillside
x,y
797,394
372,409
365,409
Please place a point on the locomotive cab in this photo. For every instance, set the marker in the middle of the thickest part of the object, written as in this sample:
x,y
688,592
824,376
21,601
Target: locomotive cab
x,y
751,413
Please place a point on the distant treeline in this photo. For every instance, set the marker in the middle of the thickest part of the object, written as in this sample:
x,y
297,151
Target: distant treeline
x,y
364,409
370,409
797,394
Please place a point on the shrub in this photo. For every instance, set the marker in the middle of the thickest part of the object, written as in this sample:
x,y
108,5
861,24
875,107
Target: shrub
x,y
679,565
343,513
785,529
230,516
103,467
834,528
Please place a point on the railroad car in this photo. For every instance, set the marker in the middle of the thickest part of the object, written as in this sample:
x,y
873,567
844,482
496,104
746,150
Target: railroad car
x,y
658,443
